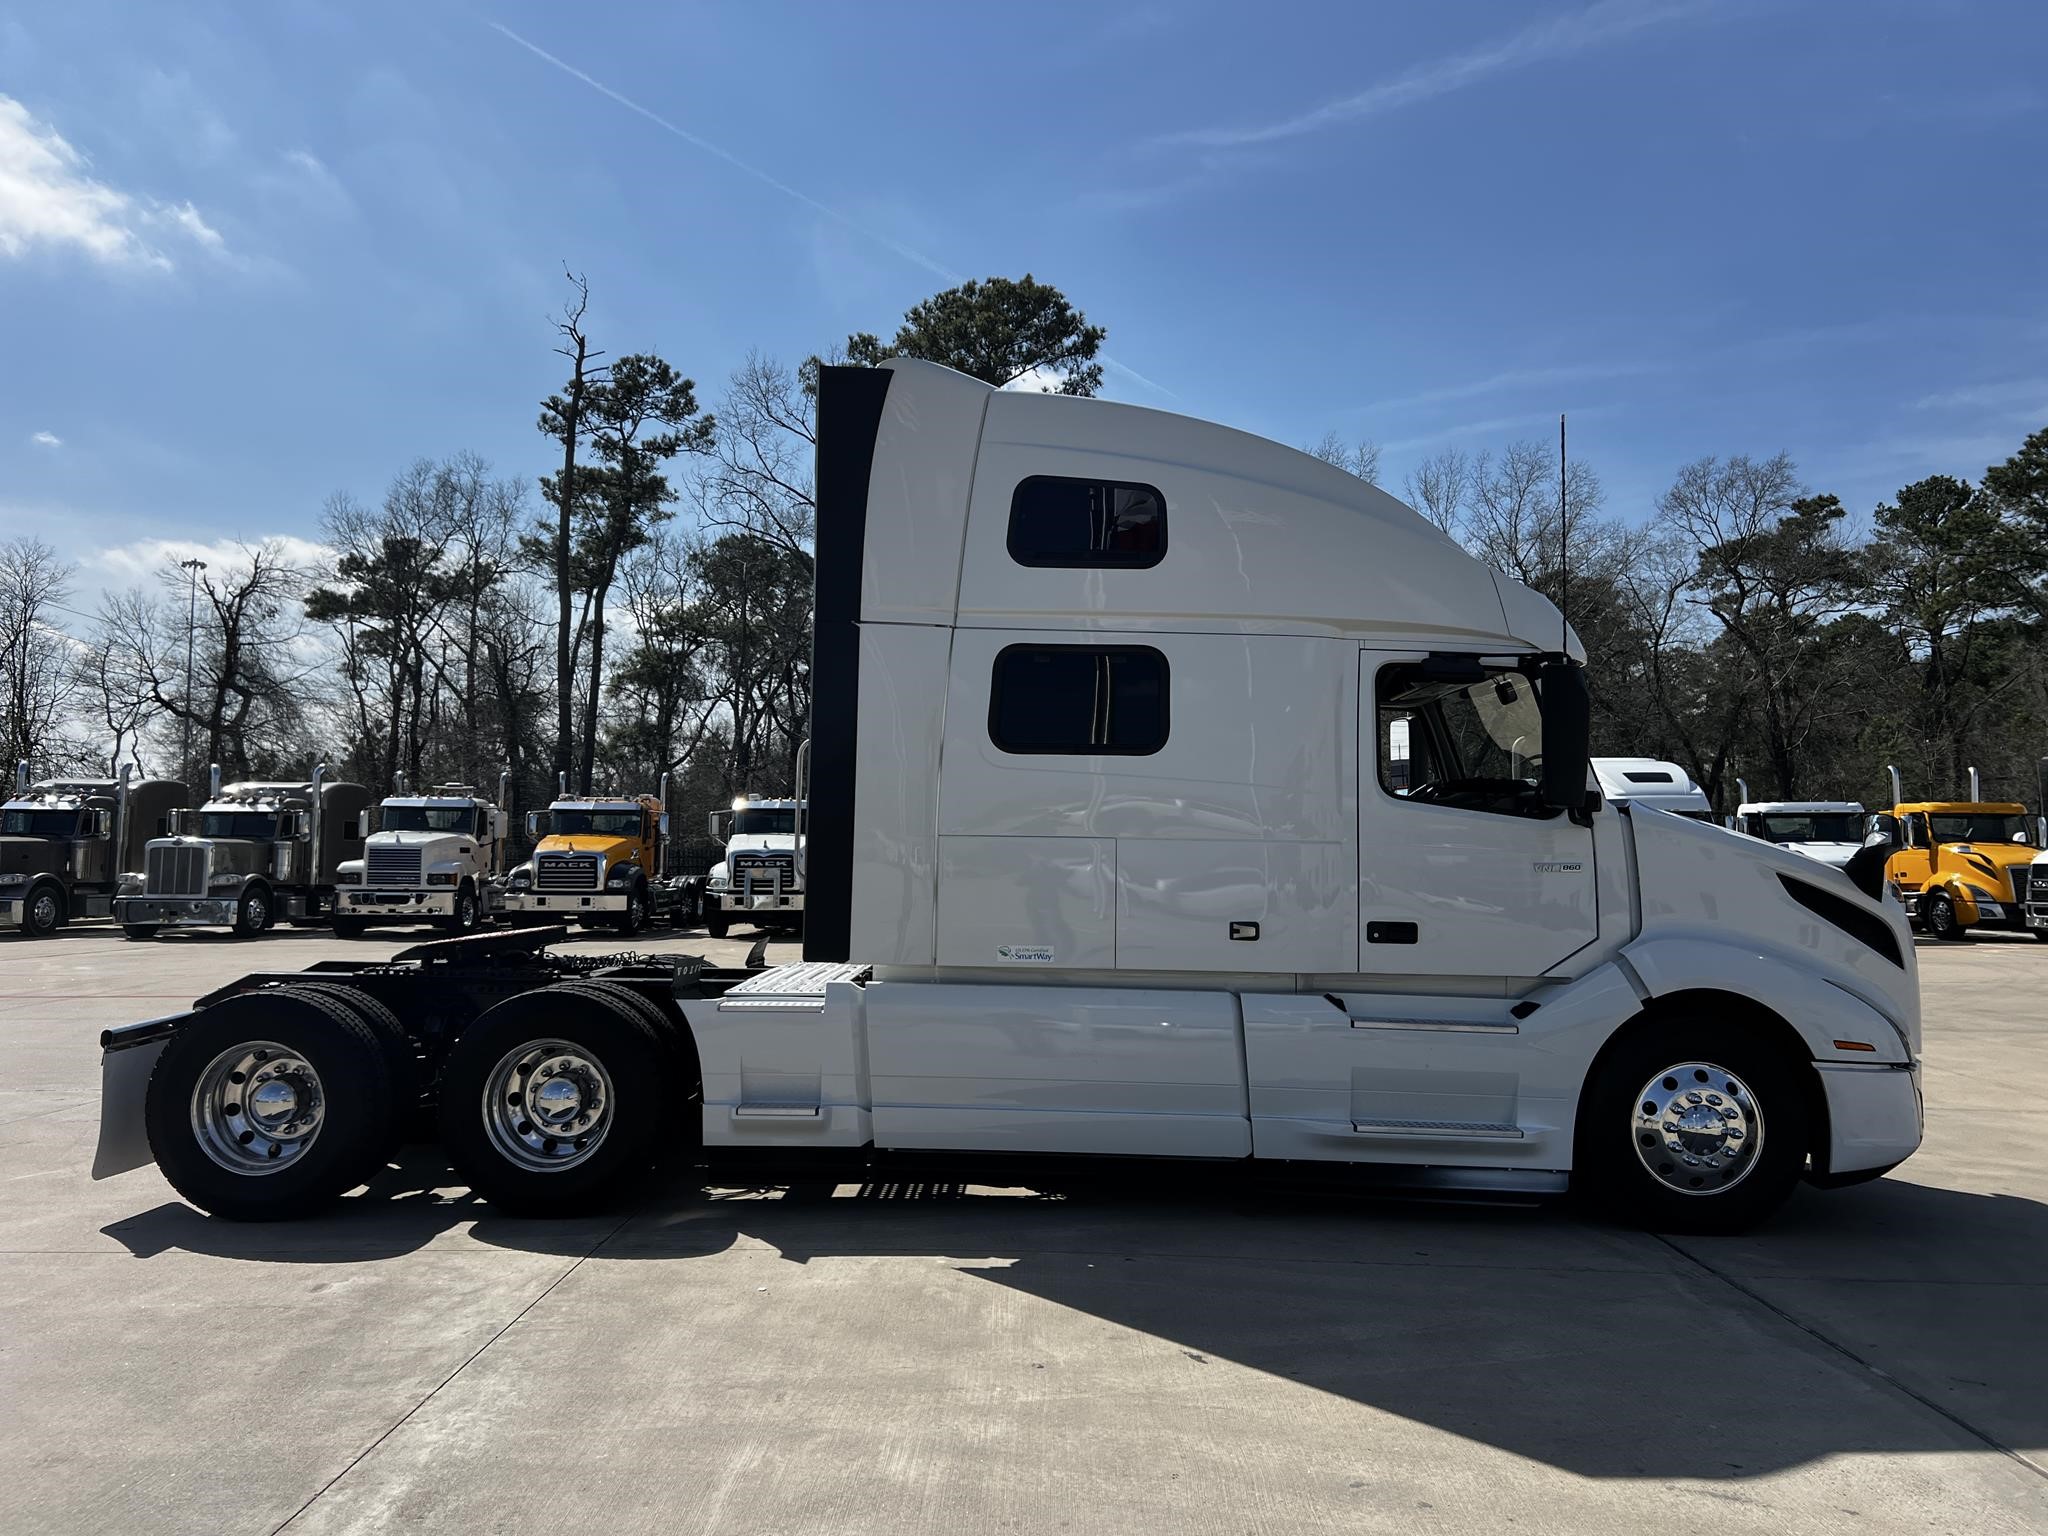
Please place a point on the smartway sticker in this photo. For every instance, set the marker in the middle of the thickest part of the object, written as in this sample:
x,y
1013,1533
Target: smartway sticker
x,y
1025,954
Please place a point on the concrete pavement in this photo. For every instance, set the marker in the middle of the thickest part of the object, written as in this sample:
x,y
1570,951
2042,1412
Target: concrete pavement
x,y
936,1358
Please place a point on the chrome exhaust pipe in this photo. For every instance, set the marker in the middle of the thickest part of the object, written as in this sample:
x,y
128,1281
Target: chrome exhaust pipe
x,y
1742,789
504,810
213,783
562,786
1898,792
1976,788
21,779
661,837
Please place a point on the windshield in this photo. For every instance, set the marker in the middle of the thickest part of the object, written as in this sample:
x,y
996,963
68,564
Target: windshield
x,y
257,825
764,823
426,818
40,823
1984,828
1810,827
595,824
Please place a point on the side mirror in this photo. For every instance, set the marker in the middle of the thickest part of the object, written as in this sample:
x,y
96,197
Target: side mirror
x,y
103,825
711,825
662,823
1567,708
533,826
1886,827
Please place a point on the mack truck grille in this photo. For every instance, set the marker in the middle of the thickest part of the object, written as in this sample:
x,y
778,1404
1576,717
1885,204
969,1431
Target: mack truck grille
x,y
2040,887
174,872
564,874
767,869
393,866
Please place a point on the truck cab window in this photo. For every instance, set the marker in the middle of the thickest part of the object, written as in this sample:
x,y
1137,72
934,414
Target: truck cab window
x,y
40,824
1057,521
1469,738
1079,700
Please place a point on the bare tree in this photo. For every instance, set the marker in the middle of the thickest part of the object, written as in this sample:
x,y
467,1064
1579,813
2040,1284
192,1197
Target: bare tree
x,y
1439,487
759,478
562,417
35,653
1360,458
122,706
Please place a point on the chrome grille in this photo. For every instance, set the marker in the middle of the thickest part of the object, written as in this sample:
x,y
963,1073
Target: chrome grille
x,y
392,866
2040,882
774,872
561,873
174,871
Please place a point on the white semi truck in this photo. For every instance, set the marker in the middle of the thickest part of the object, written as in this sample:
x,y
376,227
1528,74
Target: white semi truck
x,y
760,879
1652,783
433,859
1104,859
1831,831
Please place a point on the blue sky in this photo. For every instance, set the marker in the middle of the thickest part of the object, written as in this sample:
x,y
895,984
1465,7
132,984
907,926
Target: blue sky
x,y
252,254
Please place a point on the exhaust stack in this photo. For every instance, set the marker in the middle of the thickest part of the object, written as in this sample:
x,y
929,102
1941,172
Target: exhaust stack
x,y
504,805
1742,789
1898,793
21,779
313,828
213,783
561,786
1976,788
119,829
661,837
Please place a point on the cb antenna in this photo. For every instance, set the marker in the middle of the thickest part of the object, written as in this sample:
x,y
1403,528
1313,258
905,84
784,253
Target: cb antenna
x,y
1564,561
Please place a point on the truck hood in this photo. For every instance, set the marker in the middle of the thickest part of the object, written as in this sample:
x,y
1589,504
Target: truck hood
x,y
1836,854
450,840
761,842
32,855
612,848
2000,869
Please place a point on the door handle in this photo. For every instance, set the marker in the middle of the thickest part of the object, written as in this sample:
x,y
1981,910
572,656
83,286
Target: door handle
x,y
1392,933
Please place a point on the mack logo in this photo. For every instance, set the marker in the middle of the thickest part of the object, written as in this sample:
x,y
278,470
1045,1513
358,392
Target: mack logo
x,y
1559,867
1025,954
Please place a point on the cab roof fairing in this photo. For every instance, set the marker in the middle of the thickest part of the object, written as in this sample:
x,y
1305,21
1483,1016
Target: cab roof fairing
x,y
1260,537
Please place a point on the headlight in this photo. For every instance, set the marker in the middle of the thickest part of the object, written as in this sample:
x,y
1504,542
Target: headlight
x,y
222,882
618,882
131,885
441,877
13,877
349,877
521,880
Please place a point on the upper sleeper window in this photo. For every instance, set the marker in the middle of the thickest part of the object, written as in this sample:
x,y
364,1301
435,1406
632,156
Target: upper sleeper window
x,y
1080,700
1095,523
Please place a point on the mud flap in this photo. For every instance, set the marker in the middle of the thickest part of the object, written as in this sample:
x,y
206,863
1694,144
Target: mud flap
x,y
128,1057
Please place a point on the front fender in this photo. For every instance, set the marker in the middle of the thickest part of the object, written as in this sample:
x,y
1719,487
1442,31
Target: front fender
x,y
1821,1011
1962,893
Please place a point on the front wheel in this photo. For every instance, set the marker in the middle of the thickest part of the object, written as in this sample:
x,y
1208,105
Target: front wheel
x,y
43,913
252,913
555,1100
717,922
347,927
1939,914
1692,1126
468,916
634,918
268,1106
140,930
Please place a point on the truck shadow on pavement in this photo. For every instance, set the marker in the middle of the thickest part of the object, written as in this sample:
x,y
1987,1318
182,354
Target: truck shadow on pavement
x,y
1876,1320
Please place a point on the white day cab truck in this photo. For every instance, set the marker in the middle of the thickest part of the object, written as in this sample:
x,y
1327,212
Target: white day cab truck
x,y
433,858
66,843
1646,781
1831,831
1103,861
760,879
255,852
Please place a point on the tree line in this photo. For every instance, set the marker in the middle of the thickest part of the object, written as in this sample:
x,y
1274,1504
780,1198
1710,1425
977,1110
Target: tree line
x,y
643,606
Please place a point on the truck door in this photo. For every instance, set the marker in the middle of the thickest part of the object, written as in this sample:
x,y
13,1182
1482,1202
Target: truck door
x,y
1462,870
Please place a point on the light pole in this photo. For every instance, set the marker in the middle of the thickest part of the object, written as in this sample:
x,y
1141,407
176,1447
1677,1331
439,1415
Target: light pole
x,y
191,627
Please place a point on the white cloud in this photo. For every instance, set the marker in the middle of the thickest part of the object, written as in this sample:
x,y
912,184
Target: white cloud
x,y
145,559
1555,37
49,198
46,439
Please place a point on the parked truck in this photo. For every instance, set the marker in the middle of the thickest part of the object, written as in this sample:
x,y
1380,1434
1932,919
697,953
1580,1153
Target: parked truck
x,y
1959,865
598,859
760,879
65,843
1831,831
1103,860
433,858
1650,782
255,852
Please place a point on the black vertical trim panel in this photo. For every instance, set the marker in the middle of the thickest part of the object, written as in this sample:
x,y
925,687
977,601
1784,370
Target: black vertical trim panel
x,y
849,417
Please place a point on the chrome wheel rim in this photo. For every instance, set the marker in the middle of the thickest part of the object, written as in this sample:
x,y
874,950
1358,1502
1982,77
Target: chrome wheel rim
x,y
44,910
1941,915
548,1105
258,1108
254,912
1697,1129
465,911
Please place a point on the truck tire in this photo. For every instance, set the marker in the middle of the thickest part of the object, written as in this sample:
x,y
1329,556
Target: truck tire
x,y
609,1098
140,930
1938,913
252,912
347,927
1692,1124
686,1078
717,922
42,911
468,912
634,918
400,1060
323,1125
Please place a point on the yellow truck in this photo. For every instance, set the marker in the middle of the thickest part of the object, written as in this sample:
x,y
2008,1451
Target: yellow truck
x,y
597,859
1959,864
